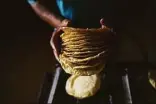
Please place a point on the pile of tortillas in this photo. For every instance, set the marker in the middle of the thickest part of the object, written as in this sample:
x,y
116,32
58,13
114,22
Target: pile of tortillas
x,y
84,54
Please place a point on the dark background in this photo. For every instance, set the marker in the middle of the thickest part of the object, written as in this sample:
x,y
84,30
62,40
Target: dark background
x,y
27,55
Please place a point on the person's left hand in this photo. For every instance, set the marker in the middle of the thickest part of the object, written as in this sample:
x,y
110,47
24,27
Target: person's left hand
x,y
55,39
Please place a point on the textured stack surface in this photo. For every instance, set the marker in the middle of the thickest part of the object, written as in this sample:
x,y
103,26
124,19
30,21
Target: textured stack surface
x,y
85,51
83,55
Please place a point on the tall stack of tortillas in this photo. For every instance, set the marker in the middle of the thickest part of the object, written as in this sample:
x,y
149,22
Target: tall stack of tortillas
x,y
83,55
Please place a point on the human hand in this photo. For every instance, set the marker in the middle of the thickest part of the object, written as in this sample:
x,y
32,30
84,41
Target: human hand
x,y
102,23
55,39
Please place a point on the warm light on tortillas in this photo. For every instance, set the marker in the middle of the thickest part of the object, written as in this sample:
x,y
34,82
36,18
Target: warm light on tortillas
x,y
83,86
152,78
83,55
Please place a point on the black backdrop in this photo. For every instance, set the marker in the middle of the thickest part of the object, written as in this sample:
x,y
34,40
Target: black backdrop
x,y
26,52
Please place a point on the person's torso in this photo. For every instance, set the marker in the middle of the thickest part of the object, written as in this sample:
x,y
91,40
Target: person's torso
x,y
85,13
121,15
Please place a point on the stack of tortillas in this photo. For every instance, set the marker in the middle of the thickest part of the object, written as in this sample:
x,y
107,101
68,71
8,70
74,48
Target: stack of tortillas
x,y
83,55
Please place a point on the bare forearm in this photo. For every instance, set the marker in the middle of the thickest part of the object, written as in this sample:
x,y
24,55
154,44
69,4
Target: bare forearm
x,y
46,15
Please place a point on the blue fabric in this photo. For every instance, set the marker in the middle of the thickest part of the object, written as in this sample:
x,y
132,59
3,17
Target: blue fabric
x,y
65,9
85,13
31,1
72,9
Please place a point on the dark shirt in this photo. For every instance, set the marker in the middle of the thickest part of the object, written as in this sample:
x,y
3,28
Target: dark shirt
x,y
121,15
85,13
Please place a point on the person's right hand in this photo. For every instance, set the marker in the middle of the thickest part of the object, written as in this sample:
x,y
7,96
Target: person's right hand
x,y
55,39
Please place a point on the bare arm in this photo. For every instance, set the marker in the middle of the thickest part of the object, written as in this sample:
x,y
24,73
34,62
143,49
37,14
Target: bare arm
x,y
45,14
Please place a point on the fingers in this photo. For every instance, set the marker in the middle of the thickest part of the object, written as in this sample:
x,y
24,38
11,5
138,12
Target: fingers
x,y
65,23
56,54
54,37
55,42
102,23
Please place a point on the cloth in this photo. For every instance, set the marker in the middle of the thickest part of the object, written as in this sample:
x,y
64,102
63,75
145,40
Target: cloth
x,y
85,13
119,15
